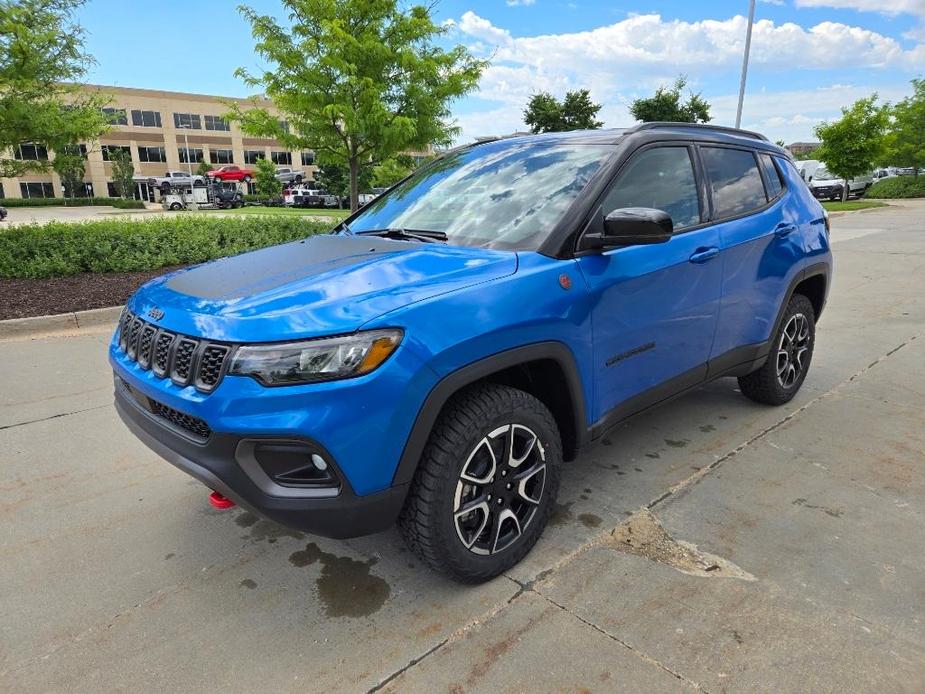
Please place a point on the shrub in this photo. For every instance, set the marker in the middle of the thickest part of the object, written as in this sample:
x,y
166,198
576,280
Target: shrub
x,y
898,187
71,202
60,248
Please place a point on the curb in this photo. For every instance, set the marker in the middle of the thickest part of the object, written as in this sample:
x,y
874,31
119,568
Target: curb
x,y
38,326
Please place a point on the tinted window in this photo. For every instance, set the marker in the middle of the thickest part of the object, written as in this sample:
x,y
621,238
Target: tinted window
x,y
146,119
736,182
662,178
281,157
772,176
504,194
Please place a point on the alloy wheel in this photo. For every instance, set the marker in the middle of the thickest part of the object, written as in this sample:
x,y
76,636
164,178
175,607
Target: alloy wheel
x,y
499,489
791,352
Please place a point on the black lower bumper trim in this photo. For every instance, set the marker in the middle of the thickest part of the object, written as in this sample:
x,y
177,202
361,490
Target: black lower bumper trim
x,y
213,463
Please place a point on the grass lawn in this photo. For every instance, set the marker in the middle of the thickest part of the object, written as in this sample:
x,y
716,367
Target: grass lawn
x,y
850,205
286,212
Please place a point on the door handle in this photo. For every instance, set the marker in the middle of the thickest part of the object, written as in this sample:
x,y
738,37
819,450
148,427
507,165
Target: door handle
x,y
702,255
783,229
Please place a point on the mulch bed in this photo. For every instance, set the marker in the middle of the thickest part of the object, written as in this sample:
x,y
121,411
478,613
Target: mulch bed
x,y
22,298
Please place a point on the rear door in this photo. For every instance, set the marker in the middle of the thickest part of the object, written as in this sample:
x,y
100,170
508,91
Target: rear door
x,y
654,306
759,232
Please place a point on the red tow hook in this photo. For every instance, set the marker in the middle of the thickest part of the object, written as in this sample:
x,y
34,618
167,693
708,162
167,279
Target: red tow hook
x,y
220,502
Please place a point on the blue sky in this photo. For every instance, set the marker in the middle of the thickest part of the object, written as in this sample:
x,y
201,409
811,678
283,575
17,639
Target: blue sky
x,y
809,57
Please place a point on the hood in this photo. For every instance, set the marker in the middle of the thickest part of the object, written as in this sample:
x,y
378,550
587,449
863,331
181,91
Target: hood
x,y
825,182
323,285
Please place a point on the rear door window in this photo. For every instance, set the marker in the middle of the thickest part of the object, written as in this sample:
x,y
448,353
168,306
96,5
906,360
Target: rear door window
x,y
661,178
734,179
771,176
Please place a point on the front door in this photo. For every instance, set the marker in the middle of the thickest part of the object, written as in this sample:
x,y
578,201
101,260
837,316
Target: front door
x,y
654,306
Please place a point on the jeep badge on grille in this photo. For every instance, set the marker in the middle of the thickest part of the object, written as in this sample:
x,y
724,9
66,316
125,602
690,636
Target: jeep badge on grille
x,y
155,313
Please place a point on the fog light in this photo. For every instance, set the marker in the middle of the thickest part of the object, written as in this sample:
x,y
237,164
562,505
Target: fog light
x,y
319,462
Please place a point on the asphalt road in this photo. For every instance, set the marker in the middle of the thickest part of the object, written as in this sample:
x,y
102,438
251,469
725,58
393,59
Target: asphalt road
x,y
783,549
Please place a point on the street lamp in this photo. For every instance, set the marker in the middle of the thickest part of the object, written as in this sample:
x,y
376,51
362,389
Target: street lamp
x,y
189,164
748,45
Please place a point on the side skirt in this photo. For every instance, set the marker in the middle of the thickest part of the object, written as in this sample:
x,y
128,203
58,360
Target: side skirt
x,y
736,362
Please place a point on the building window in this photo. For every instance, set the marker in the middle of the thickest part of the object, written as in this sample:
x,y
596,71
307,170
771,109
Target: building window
x,y
109,149
221,156
187,120
284,126
192,155
284,158
116,116
252,155
31,152
217,123
152,154
84,190
36,190
308,158
146,119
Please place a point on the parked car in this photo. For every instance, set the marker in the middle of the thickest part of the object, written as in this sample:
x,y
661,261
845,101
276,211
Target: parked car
x,y
215,196
3,213
808,168
176,178
439,357
827,186
364,198
231,172
287,174
310,197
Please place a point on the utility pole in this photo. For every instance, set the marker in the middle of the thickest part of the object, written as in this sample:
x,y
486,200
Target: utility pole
x,y
189,164
748,46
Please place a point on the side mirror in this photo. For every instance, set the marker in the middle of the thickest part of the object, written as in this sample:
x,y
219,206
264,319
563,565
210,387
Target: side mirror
x,y
631,226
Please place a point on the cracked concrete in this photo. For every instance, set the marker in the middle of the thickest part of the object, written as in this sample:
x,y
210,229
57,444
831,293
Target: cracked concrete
x,y
129,573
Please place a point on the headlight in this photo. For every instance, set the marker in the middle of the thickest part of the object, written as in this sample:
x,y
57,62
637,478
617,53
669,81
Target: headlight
x,y
309,361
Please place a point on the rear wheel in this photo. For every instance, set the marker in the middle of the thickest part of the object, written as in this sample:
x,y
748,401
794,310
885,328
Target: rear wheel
x,y
175,206
486,483
783,373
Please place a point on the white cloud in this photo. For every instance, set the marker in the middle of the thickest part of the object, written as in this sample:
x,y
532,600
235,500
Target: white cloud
x,y
520,3
889,7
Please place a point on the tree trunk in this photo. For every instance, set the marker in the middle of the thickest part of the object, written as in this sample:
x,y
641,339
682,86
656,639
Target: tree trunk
x,y
844,191
354,184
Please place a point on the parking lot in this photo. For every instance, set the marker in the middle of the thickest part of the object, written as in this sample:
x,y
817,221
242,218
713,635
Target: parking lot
x,y
712,543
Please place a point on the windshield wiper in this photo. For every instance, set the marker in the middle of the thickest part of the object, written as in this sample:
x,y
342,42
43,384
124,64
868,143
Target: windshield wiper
x,y
426,235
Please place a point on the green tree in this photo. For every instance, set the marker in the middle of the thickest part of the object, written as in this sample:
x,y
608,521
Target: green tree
x,y
203,168
265,181
666,105
356,80
852,144
123,173
335,179
70,164
391,171
545,113
41,59
905,144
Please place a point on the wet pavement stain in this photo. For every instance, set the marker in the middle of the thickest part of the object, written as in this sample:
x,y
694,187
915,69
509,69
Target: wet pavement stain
x,y
246,519
561,514
834,512
588,490
170,555
589,520
679,443
346,587
248,583
654,456
707,428
606,442
583,497
268,530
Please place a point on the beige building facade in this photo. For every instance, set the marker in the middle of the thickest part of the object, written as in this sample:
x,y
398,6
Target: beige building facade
x,y
157,127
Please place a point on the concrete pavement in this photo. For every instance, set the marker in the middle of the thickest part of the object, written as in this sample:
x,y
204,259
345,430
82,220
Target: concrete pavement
x,y
115,573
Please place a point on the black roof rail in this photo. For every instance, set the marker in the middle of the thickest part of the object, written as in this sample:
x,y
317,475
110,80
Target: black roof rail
x,y
700,126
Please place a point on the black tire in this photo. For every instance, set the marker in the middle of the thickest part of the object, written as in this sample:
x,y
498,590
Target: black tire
x,y
298,180
768,384
175,206
462,434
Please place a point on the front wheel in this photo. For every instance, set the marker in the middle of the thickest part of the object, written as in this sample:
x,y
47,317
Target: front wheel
x,y
175,206
783,373
485,485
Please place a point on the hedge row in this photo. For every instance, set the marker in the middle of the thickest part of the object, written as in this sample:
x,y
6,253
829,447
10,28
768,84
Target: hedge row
x,y
60,248
898,187
72,202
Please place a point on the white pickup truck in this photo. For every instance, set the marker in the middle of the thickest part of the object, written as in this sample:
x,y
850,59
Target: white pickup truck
x,y
176,178
287,174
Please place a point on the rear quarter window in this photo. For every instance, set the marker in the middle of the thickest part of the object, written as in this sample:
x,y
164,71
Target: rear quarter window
x,y
772,175
734,180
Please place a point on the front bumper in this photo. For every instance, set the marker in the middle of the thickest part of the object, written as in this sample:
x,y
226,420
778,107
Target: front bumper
x,y
220,464
827,192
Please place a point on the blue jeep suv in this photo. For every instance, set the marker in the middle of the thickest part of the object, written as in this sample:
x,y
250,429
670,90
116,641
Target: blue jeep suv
x,y
437,356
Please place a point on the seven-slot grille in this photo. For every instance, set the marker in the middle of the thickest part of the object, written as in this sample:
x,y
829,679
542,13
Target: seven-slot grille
x,y
183,359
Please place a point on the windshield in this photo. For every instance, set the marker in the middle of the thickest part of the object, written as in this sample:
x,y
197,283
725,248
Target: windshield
x,y
822,174
504,194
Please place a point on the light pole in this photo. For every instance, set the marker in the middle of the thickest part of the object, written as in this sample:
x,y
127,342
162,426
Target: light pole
x,y
748,46
189,164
